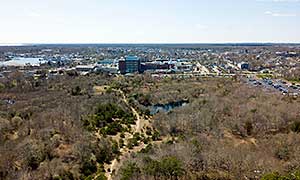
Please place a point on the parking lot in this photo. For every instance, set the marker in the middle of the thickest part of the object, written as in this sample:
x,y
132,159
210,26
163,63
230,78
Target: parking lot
x,y
275,85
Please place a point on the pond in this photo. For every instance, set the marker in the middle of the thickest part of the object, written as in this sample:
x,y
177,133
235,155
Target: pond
x,y
167,107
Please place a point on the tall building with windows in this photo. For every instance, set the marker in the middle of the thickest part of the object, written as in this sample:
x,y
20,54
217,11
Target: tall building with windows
x,y
132,64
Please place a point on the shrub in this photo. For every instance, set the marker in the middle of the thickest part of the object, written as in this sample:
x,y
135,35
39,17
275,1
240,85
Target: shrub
x,y
152,167
148,131
147,112
147,149
156,136
169,167
137,136
88,168
121,143
296,127
283,153
2,87
34,155
132,142
249,127
76,91
33,161
130,170
101,176
122,135
277,176
103,153
144,99
112,129
115,148
146,140
106,113
172,167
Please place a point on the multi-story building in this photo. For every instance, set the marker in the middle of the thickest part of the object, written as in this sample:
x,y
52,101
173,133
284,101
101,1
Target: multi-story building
x,y
131,64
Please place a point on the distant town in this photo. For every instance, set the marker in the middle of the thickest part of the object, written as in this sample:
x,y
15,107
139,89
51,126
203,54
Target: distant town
x,y
271,66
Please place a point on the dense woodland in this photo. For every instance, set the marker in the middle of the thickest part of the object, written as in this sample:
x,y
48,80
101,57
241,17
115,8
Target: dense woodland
x,y
65,128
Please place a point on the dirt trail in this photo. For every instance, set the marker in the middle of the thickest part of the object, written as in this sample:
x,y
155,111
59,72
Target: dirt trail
x,y
141,123
125,152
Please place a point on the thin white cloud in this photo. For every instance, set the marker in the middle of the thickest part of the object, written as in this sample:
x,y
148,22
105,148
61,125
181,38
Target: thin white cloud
x,y
270,13
34,14
201,27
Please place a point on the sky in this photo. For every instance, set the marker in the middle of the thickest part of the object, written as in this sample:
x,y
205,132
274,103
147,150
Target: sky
x,y
149,21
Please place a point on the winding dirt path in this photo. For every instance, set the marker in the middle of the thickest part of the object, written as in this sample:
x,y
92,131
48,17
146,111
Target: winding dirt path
x,y
141,123
125,152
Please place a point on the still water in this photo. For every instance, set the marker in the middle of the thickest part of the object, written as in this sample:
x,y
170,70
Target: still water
x,y
167,107
20,61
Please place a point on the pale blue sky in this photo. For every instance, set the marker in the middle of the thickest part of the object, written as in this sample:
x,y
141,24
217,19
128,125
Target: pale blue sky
x,y
149,21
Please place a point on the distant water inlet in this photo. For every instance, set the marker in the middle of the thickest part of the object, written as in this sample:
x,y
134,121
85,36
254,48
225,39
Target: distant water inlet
x,y
167,107
20,61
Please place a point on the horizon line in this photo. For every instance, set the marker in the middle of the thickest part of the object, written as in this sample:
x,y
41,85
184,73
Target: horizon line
x,y
152,43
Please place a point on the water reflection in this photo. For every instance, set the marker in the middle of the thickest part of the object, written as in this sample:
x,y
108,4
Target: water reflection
x,y
167,107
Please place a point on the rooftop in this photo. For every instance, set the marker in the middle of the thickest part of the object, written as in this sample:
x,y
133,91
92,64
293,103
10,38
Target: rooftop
x,y
132,58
